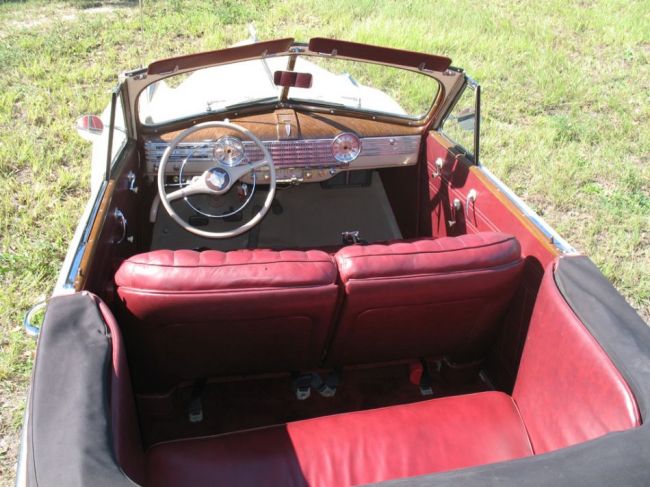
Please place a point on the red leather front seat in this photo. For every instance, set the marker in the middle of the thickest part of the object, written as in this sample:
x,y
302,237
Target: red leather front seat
x,y
425,298
196,314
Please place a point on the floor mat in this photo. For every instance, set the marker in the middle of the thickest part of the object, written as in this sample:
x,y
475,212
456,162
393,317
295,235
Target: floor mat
x,y
243,404
307,216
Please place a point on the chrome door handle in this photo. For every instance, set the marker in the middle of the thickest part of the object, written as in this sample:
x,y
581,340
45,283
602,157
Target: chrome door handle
x,y
119,215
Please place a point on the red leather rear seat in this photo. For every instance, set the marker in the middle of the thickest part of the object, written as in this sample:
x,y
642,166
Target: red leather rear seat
x,y
196,314
424,298
350,449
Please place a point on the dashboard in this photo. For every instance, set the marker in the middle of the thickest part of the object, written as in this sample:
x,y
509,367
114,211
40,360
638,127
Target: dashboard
x,y
304,148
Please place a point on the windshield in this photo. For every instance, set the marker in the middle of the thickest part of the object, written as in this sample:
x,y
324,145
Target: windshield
x,y
353,85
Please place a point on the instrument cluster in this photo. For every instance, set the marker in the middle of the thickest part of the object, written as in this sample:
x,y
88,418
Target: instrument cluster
x,y
231,151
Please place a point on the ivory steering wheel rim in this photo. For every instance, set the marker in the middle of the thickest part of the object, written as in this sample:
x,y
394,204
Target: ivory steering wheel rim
x,y
204,185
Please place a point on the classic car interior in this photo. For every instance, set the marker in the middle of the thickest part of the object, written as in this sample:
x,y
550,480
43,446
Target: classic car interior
x,y
390,312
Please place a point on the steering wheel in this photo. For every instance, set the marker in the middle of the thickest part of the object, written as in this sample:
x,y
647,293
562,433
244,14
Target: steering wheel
x,y
216,181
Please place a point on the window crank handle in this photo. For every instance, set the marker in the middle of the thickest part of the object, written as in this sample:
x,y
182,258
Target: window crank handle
x,y
471,198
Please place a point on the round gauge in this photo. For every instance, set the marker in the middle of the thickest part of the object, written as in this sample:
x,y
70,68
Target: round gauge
x,y
229,150
346,147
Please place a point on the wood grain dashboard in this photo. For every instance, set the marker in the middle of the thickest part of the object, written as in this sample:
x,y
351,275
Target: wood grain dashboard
x,y
272,126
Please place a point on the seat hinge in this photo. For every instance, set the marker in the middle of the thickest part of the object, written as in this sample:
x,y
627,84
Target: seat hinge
x,y
302,386
352,237
326,387
195,408
304,383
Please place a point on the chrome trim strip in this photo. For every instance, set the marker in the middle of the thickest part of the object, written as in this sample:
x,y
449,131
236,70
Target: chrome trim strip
x,y
554,237
72,261
30,328
310,153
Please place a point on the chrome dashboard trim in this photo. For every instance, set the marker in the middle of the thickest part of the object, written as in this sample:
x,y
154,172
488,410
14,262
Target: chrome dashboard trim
x,y
562,245
310,153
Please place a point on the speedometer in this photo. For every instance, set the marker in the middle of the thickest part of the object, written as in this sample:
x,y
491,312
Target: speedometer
x,y
229,150
346,147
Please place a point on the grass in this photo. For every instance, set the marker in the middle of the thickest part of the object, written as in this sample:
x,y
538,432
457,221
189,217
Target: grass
x,y
566,104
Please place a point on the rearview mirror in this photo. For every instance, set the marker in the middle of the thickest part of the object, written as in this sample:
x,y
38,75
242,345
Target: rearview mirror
x,y
89,127
292,79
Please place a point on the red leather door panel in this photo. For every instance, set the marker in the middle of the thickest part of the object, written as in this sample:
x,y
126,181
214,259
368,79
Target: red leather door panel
x,y
491,212
568,390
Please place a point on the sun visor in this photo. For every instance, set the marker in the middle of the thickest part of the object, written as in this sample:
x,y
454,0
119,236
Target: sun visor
x,y
193,61
378,54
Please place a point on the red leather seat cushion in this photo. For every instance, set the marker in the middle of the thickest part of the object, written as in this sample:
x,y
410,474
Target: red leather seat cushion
x,y
210,270
424,298
351,449
465,253
194,314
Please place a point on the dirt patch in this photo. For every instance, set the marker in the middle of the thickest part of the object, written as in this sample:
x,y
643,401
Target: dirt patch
x,y
41,17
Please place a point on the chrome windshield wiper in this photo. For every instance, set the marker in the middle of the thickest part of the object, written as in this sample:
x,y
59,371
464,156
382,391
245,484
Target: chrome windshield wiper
x,y
320,101
249,101
252,101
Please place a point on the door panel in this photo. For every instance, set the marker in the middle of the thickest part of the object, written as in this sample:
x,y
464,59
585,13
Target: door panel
x,y
453,180
492,210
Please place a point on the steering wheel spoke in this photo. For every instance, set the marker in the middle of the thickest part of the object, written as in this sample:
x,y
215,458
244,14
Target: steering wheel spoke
x,y
238,172
196,186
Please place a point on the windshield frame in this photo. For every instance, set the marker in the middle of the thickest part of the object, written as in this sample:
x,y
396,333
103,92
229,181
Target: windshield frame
x,y
448,80
339,106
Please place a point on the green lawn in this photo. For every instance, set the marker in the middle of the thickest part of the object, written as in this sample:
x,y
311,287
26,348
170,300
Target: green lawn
x,y
566,103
